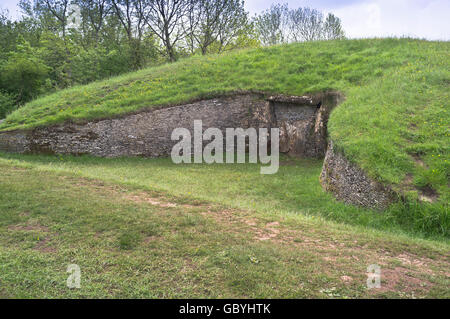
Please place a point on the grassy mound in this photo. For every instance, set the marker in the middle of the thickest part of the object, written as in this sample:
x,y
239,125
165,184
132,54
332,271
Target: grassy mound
x,y
394,122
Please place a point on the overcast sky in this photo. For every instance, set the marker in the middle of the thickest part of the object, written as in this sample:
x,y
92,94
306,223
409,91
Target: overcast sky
x,y
428,19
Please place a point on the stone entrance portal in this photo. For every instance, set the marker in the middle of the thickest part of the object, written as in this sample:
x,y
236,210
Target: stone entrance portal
x,y
303,123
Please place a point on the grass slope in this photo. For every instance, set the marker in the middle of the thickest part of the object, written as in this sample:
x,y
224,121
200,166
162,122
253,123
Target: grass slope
x,y
394,123
132,243
293,191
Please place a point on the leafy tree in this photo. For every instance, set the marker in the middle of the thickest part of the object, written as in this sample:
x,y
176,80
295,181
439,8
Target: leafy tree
x,y
130,14
24,74
245,37
57,54
332,28
219,22
279,24
7,36
305,24
7,104
272,25
164,18
94,14
54,14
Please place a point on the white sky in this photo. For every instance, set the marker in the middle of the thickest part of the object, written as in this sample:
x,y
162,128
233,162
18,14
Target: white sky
x,y
428,19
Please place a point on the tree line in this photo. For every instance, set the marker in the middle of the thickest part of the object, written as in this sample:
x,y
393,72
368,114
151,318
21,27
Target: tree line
x,y
60,43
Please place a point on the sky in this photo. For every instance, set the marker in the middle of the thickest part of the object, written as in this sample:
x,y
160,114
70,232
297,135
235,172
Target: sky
x,y
429,19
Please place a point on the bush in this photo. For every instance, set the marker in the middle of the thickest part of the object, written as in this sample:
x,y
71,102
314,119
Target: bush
x,y
96,64
7,104
24,73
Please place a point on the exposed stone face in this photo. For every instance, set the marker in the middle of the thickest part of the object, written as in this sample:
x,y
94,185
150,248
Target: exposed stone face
x,y
149,133
351,184
143,134
303,130
303,122
15,141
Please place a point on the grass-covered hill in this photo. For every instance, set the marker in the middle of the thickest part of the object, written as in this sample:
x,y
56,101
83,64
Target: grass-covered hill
x,y
394,122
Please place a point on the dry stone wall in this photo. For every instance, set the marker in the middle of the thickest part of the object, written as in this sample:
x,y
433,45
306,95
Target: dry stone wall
x,y
351,184
144,134
148,133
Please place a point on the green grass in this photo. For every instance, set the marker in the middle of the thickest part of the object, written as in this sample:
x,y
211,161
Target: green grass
x,y
130,242
396,108
150,228
294,190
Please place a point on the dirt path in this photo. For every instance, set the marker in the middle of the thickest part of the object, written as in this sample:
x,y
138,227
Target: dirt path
x,y
406,270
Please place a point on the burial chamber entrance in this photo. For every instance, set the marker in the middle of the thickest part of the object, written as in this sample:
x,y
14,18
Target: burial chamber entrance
x,y
303,122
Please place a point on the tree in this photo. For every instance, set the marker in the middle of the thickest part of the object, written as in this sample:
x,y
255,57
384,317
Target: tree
x,y
67,48
272,25
235,30
7,36
94,14
11,30
332,28
214,21
280,24
54,15
7,103
59,9
130,13
306,24
165,19
24,74
58,55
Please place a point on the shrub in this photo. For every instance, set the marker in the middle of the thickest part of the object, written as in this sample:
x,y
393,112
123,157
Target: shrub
x,y
7,104
24,73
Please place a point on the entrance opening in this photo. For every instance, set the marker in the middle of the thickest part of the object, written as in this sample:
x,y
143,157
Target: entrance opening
x,y
303,122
